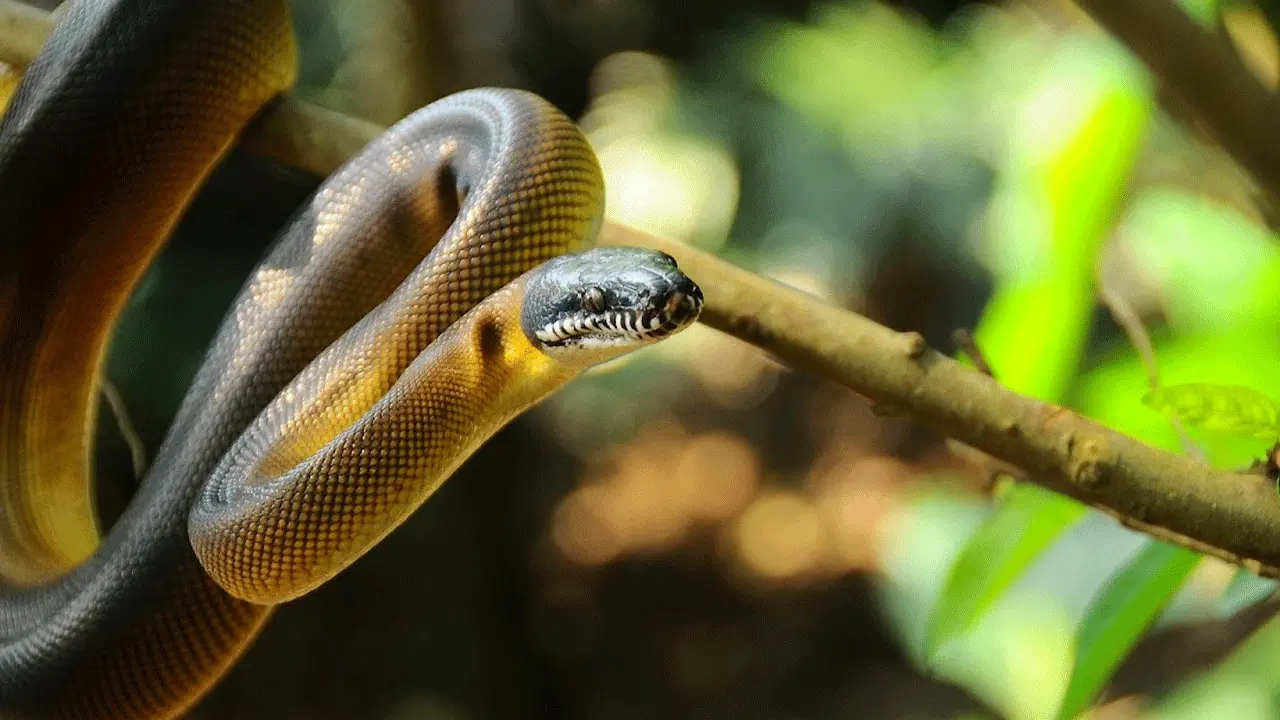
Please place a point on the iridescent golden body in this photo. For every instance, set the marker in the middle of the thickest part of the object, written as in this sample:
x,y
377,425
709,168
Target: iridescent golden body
x,y
323,413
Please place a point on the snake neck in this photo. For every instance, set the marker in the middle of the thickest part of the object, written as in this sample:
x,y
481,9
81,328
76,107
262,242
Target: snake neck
x,y
499,347
355,482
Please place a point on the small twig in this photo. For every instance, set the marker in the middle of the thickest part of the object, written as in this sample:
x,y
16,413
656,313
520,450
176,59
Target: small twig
x,y
128,431
966,343
992,468
1167,657
1128,319
1269,465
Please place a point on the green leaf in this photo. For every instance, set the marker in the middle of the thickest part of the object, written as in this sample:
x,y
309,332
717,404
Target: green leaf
x,y
1132,600
1230,409
1026,522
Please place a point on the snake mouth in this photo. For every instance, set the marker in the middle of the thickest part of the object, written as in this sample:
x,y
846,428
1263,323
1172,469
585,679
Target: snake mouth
x,y
667,315
609,300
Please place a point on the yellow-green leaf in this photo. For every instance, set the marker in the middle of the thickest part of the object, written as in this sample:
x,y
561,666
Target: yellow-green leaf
x,y
1231,409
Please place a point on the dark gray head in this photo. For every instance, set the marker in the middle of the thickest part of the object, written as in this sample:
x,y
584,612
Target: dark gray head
x,y
607,300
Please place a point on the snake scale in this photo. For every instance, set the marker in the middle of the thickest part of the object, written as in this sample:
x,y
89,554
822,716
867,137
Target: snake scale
x,y
432,289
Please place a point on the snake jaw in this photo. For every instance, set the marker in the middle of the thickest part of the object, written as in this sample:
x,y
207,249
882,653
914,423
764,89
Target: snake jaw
x,y
608,301
613,328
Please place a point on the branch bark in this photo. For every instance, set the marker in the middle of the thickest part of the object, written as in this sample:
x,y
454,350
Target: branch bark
x,y
1232,516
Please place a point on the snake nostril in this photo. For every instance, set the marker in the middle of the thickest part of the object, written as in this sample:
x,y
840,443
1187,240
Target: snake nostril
x,y
677,303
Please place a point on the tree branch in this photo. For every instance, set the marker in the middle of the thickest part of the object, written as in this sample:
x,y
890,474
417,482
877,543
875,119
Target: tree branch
x,y
1204,72
1232,516
23,30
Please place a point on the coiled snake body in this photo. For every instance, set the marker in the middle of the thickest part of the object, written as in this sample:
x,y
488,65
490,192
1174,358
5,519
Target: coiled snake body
x,y
419,301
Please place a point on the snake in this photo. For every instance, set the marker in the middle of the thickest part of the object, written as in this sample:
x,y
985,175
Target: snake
x,y
440,283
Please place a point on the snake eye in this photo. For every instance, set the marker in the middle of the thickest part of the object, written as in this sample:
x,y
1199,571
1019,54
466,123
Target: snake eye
x,y
593,300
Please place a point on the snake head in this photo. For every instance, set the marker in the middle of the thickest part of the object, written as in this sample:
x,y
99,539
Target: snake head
x,y
606,301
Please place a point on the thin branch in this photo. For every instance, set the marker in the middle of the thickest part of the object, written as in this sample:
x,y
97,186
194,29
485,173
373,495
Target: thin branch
x,y
966,343
128,431
1202,70
308,137
1129,321
1232,516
